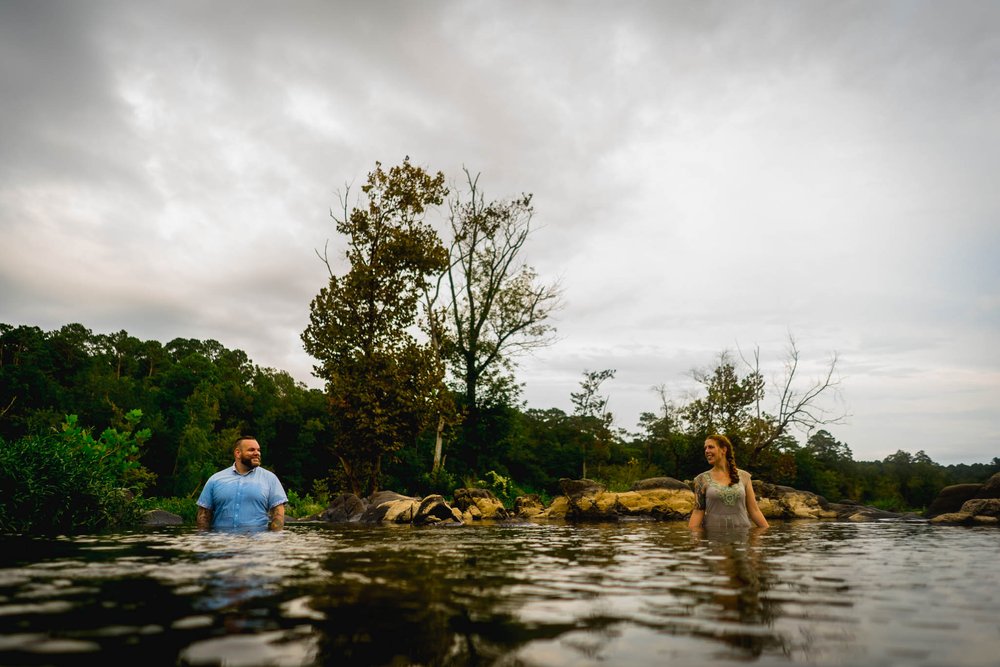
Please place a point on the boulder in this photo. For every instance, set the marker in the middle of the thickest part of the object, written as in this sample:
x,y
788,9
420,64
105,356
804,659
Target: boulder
x,y
968,504
479,504
343,508
161,518
784,502
527,507
951,498
587,500
660,483
390,507
434,510
990,488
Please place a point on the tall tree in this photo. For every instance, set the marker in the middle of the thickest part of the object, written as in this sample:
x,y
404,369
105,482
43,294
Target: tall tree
x,y
378,376
498,306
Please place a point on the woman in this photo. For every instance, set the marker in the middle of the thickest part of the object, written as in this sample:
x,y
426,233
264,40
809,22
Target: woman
x,y
724,495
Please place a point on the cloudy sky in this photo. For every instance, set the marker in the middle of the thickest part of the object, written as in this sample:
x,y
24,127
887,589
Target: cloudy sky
x,y
707,177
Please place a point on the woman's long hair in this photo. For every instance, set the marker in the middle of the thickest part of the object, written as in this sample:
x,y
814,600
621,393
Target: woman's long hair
x,y
723,441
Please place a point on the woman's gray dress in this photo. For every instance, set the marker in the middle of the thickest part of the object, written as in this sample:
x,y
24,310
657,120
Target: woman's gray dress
x,y
725,506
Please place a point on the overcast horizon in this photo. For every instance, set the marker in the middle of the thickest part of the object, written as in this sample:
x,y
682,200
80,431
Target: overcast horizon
x,y
706,176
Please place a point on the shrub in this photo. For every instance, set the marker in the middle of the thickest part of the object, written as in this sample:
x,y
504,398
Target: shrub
x,y
68,481
301,506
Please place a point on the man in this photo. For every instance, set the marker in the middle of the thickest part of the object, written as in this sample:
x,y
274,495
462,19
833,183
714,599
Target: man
x,y
244,496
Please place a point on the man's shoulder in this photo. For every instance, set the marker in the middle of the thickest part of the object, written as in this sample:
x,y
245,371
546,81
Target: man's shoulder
x,y
264,472
225,472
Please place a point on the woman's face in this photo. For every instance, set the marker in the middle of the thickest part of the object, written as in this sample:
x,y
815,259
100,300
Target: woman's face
x,y
713,452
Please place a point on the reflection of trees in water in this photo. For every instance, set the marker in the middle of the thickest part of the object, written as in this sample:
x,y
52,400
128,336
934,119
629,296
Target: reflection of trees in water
x,y
386,608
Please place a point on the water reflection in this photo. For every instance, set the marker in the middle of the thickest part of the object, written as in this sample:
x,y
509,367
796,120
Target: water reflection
x,y
636,593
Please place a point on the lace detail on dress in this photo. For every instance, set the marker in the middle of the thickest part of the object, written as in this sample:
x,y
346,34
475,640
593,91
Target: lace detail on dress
x,y
729,494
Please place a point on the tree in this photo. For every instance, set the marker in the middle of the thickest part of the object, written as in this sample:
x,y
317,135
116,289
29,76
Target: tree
x,y
728,404
798,406
590,408
378,376
498,306
662,438
734,404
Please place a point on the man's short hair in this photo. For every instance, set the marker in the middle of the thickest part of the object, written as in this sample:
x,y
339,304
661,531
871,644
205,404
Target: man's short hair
x,y
241,438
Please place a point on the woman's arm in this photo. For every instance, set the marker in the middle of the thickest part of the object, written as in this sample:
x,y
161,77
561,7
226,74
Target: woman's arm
x,y
697,516
752,509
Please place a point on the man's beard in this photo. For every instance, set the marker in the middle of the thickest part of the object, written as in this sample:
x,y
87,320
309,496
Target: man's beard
x,y
249,462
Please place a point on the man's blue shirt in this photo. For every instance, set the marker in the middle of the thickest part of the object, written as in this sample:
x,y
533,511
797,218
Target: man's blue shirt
x,y
241,501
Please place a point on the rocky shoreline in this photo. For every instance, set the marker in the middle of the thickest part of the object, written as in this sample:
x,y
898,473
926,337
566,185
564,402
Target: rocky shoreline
x,y
659,498
656,499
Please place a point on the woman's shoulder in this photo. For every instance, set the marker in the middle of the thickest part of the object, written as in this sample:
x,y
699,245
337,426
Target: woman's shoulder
x,y
744,475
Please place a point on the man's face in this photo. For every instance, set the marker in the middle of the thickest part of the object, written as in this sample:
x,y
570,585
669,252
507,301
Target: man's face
x,y
248,453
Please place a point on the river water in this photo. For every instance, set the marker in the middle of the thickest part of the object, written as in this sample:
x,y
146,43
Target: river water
x,y
628,593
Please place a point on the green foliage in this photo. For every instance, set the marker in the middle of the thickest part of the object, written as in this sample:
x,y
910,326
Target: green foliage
x,y
620,478
439,481
70,482
381,382
502,487
196,395
302,506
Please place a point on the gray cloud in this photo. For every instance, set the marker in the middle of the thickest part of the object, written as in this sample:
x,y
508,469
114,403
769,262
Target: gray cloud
x,y
706,176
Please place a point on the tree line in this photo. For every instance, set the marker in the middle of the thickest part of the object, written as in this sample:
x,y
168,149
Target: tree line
x,y
195,396
417,343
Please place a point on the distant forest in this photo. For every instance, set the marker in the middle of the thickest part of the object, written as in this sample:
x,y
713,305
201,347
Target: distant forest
x,y
195,396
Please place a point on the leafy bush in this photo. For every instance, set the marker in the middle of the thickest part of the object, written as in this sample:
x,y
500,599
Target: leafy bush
x,y
68,481
439,482
301,506
501,487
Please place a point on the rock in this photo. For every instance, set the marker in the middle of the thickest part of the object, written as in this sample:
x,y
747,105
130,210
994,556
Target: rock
x,y
480,504
952,518
784,502
343,508
990,488
951,498
388,506
982,507
587,500
434,509
578,488
558,509
659,483
527,507
657,502
978,511
161,518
